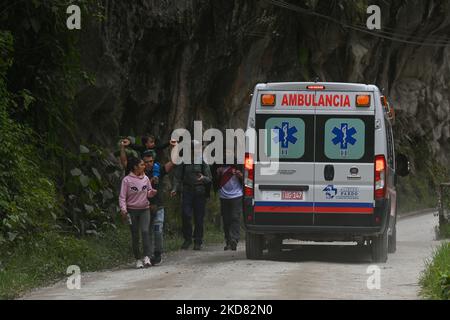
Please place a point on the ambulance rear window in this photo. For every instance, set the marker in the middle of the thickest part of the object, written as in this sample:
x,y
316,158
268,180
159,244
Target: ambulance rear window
x,y
344,138
292,135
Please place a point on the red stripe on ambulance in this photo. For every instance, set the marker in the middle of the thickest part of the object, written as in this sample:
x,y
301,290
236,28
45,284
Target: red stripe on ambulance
x,y
311,100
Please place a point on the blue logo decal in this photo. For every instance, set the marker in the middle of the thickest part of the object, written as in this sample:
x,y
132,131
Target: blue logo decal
x,y
330,192
285,136
344,136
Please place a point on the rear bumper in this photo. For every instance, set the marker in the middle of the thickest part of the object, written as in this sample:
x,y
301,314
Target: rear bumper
x,y
313,229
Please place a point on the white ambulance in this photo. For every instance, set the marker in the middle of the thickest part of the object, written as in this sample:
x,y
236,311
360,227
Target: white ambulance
x,y
332,148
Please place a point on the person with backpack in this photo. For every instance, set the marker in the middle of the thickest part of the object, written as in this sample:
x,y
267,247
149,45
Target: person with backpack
x,y
195,182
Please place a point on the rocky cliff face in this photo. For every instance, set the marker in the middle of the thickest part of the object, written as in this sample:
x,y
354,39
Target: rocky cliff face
x,y
161,64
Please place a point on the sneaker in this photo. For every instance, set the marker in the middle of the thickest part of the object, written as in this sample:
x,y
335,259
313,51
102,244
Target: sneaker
x,y
139,264
147,262
197,247
233,245
186,244
156,259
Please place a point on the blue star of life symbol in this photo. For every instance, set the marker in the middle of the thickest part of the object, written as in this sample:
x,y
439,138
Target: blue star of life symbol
x,y
344,136
285,135
330,191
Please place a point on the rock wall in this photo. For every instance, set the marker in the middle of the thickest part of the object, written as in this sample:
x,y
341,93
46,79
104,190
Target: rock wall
x,y
160,65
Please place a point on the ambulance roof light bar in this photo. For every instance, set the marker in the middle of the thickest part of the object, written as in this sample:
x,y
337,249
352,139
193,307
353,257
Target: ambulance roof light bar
x,y
316,87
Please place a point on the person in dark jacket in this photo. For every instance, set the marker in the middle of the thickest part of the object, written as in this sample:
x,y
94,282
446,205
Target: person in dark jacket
x,y
156,173
194,181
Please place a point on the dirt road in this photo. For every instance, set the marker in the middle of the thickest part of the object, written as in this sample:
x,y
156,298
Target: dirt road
x,y
309,271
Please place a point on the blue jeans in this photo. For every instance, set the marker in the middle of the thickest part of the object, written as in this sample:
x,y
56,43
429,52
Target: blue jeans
x,y
157,228
193,205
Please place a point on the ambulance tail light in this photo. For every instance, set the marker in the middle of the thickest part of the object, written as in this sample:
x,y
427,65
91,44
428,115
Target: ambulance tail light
x,y
249,175
268,100
363,101
380,177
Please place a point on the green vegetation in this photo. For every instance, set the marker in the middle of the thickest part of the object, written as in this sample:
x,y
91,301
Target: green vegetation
x,y
25,204
419,190
443,231
58,194
435,280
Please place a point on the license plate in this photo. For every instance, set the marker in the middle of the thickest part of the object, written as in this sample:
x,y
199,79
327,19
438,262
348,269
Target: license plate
x,y
292,195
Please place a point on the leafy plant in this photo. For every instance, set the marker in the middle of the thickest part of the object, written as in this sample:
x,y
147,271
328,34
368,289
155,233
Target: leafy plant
x,y
27,197
91,190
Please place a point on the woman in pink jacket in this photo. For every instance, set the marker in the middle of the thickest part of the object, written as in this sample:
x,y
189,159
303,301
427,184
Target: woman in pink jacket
x,y
134,206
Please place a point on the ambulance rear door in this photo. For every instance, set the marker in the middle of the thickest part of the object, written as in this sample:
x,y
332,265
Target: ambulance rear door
x,y
344,159
284,194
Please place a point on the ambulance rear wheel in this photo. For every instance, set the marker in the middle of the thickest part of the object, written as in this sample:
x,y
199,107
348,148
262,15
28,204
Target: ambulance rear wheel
x,y
392,245
254,246
380,247
392,242
275,245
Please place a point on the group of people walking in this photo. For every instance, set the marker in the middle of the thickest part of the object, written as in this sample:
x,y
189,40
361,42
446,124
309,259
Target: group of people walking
x,y
141,198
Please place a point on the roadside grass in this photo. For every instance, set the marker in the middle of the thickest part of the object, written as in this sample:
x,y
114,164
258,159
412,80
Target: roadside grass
x,y
43,259
443,231
435,280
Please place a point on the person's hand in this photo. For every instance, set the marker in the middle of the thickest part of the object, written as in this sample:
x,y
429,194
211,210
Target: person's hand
x,y
238,173
200,177
125,142
152,193
173,193
154,180
173,142
124,215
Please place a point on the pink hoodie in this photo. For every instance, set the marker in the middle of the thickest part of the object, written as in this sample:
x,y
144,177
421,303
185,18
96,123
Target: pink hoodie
x,y
135,192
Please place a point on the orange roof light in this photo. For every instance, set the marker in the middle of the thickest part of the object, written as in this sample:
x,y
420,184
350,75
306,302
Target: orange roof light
x,y
268,100
363,101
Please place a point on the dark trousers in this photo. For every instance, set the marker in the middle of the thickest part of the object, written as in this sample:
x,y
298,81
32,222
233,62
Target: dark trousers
x,y
140,221
193,205
231,210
